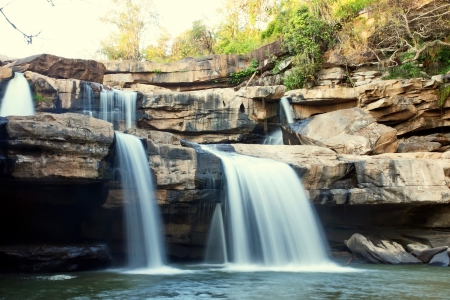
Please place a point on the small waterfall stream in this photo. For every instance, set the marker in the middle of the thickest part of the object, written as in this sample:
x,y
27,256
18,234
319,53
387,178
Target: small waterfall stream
x,y
88,98
18,100
269,220
143,223
118,107
286,117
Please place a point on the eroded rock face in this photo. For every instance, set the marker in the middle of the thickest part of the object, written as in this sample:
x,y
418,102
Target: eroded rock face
x,y
58,146
60,67
347,131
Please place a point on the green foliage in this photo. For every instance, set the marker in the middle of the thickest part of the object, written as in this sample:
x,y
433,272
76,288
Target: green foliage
x,y
157,71
444,95
238,77
347,9
131,18
39,98
407,70
306,36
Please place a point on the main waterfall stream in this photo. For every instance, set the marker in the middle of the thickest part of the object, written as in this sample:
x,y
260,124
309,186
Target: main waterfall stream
x,y
269,221
143,223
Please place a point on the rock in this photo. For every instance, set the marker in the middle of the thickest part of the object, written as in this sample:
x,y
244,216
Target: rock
x,y
214,115
379,252
441,78
55,258
440,260
6,73
188,74
65,146
399,172
59,67
419,144
348,131
416,249
428,254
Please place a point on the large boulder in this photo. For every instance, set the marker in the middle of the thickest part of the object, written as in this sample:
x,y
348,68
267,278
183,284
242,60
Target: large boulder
x,y
60,67
347,131
379,251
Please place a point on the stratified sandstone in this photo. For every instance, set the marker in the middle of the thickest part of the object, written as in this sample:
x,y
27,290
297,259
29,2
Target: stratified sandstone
x,y
214,115
62,146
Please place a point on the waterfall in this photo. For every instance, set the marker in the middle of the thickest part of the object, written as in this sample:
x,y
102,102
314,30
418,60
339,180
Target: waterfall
x,y
144,229
18,100
88,96
269,220
118,107
216,246
286,117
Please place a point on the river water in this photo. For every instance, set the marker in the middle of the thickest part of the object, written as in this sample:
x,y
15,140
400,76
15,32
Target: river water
x,y
203,282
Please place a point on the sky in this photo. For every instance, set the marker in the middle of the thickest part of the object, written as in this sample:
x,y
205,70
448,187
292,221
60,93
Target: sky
x,y
72,29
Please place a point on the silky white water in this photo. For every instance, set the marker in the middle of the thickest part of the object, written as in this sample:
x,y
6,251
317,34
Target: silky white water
x,y
118,107
18,100
88,98
143,224
216,246
269,220
286,117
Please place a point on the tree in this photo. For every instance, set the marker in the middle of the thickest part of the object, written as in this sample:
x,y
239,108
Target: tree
x,y
28,37
161,51
197,41
244,19
132,18
408,26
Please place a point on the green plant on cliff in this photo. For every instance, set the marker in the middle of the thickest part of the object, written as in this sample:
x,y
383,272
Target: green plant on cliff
x,y
238,77
39,98
443,95
306,36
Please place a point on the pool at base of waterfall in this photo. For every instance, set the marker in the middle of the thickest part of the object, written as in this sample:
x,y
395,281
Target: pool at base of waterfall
x,y
207,282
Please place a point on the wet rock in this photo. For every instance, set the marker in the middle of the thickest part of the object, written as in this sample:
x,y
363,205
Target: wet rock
x,y
427,255
54,258
380,251
347,131
440,260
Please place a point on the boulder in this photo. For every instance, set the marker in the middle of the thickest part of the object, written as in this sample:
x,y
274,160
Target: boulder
x,y
54,258
440,260
428,254
380,251
347,131
60,67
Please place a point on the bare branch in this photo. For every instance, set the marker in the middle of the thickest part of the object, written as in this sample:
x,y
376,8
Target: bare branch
x,y
28,37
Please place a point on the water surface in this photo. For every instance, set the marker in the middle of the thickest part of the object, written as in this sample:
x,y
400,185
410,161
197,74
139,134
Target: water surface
x,y
202,282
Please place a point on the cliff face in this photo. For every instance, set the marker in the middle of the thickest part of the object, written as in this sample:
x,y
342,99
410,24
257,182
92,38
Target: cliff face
x,y
370,156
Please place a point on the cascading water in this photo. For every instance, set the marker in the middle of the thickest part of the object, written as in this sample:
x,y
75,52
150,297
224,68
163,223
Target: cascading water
x,y
18,100
88,96
118,107
270,222
216,246
286,117
144,230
